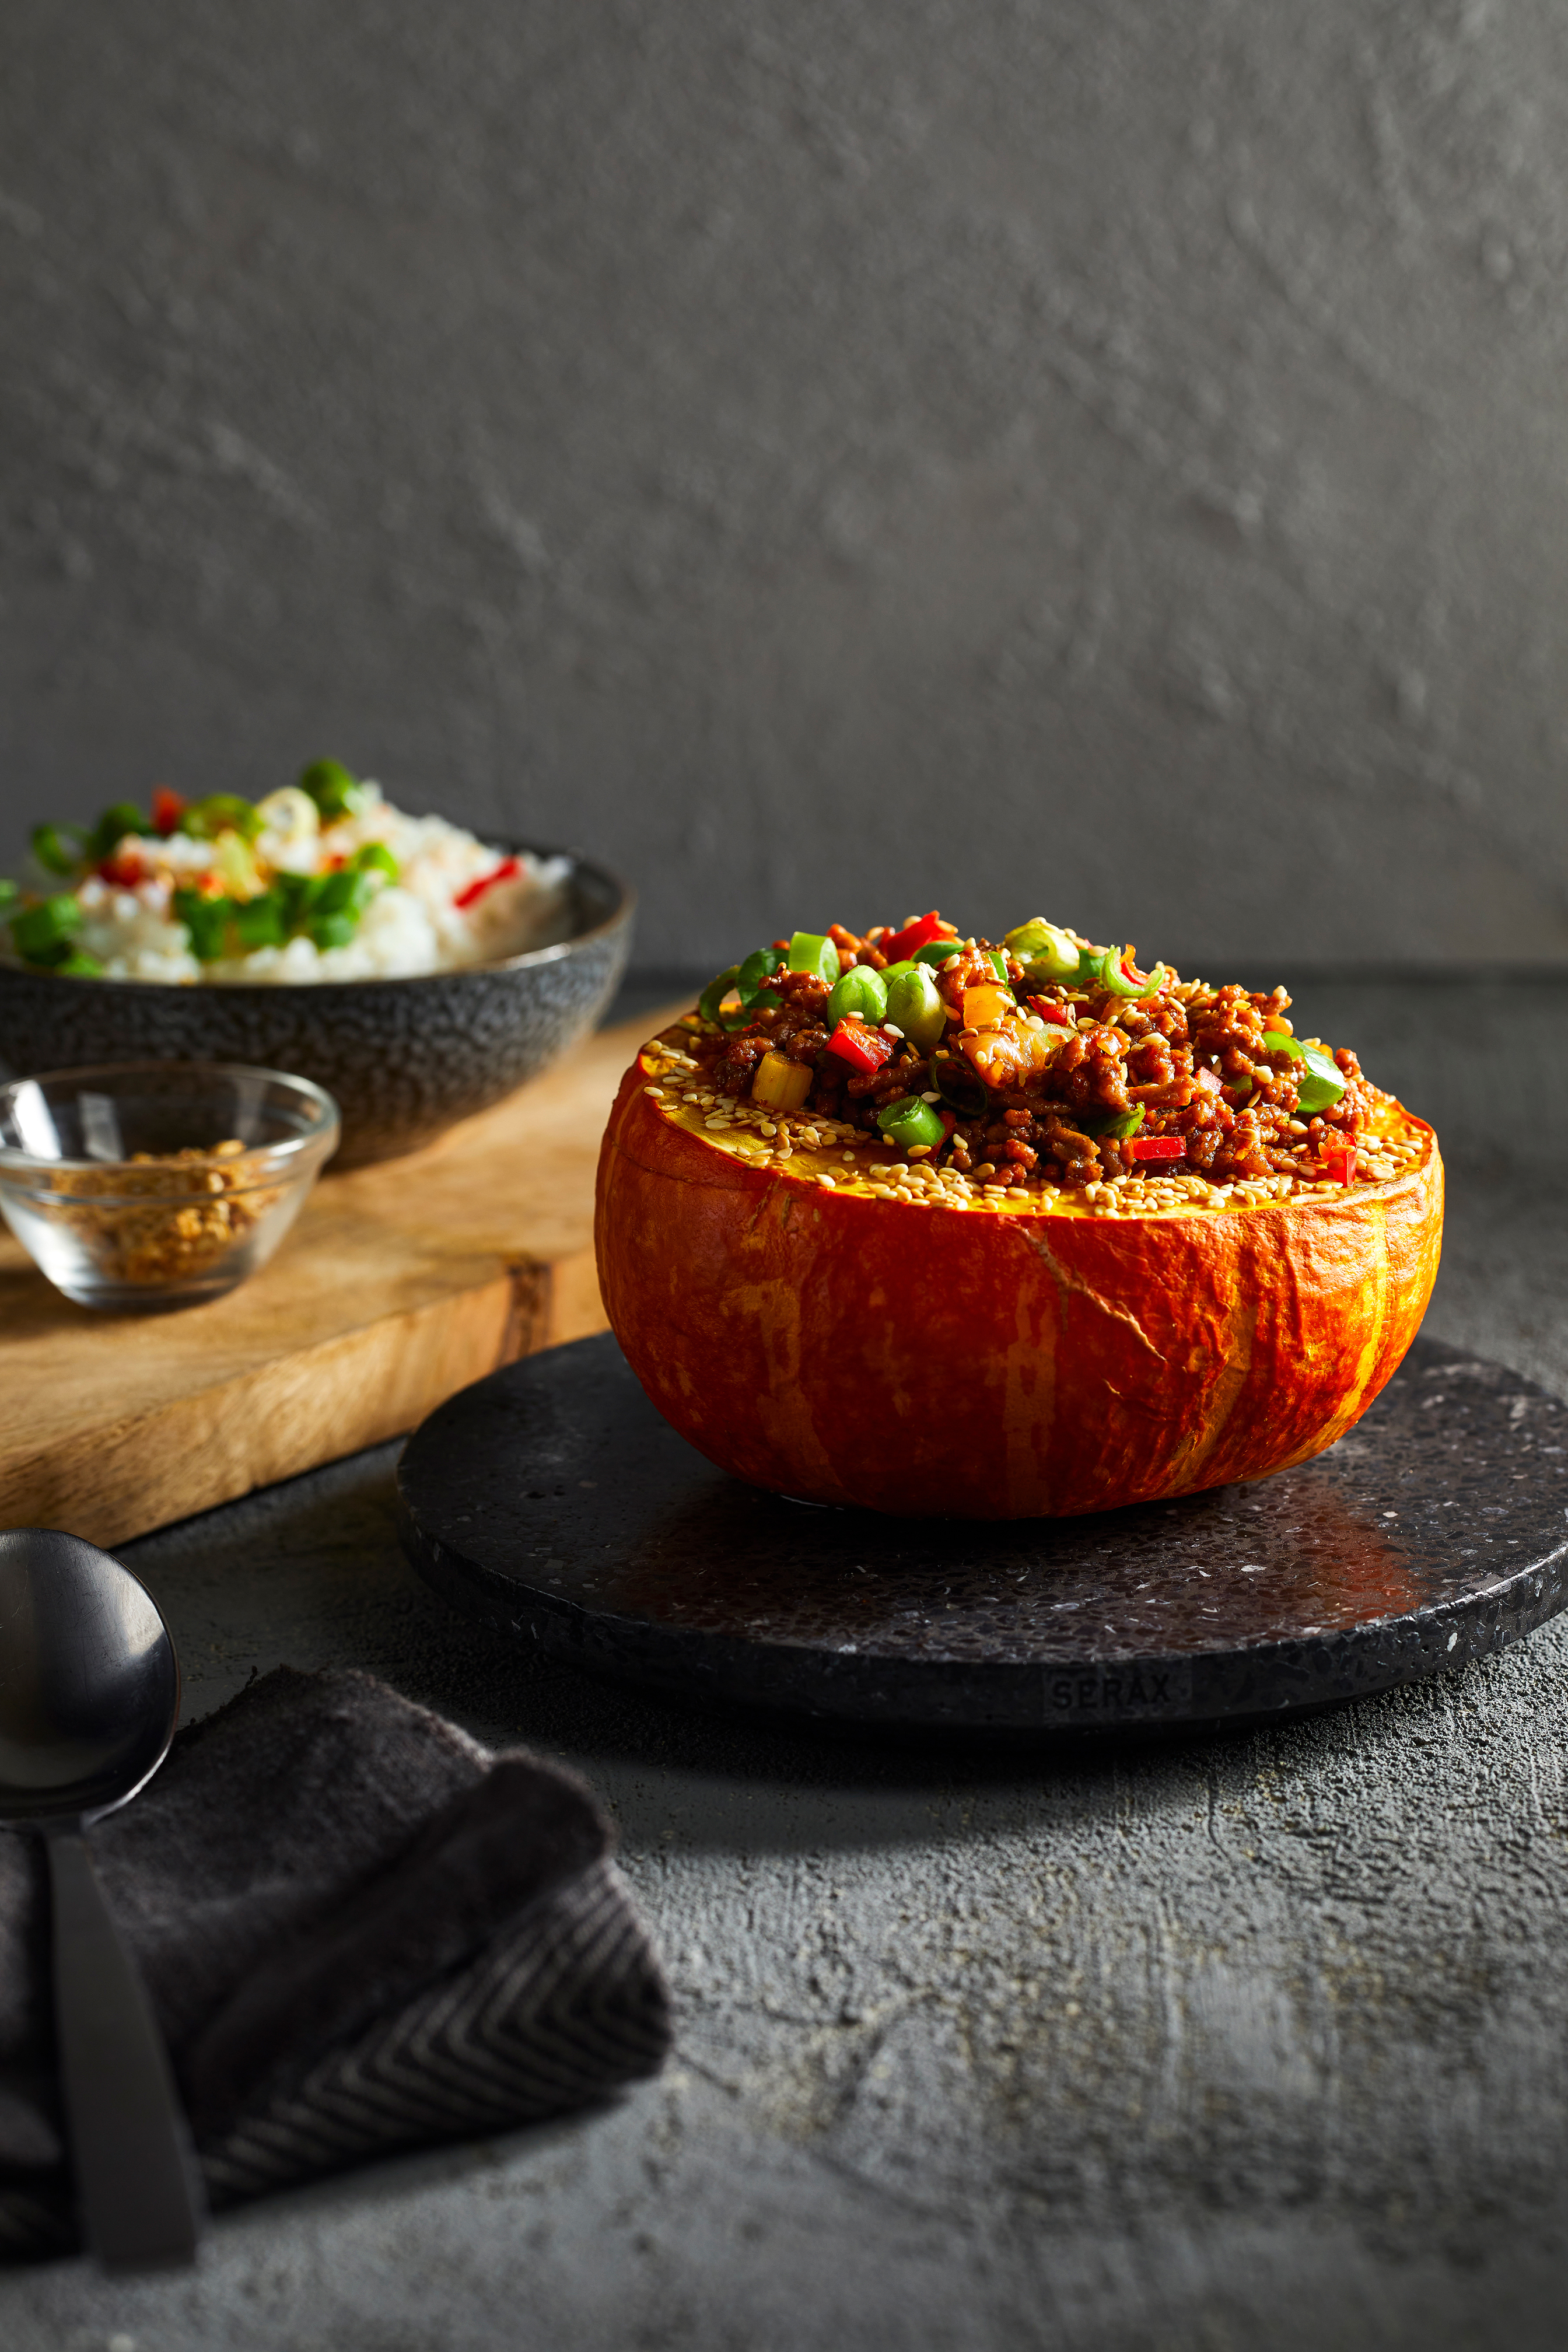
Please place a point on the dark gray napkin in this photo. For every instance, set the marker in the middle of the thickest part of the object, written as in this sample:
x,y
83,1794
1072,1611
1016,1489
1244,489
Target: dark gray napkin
x,y
360,1933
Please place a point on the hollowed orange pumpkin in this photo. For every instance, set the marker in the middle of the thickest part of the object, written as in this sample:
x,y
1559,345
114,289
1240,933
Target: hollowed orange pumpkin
x,y
997,1363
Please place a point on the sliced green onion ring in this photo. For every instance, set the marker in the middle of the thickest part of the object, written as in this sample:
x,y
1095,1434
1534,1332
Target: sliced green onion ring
x,y
915,1005
223,812
910,1120
860,991
1117,1125
713,995
1043,949
1110,975
112,827
55,851
959,1084
755,972
814,952
335,792
1324,1083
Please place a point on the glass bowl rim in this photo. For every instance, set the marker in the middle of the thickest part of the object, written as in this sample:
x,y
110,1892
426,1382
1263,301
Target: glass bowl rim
x,y
327,1124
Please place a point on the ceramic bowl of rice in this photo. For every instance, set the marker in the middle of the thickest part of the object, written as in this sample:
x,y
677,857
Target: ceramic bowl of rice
x,y
416,971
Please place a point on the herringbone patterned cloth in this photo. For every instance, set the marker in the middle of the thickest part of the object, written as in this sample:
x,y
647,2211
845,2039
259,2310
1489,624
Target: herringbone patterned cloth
x,y
361,1932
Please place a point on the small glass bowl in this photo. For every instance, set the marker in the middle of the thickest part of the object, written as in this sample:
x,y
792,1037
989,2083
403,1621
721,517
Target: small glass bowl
x,y
152,1185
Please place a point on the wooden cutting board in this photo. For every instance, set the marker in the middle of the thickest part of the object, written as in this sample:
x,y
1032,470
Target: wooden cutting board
x,y
397,1285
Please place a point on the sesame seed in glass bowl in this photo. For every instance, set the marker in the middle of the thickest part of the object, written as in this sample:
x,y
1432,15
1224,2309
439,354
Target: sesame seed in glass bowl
x,y
147,1186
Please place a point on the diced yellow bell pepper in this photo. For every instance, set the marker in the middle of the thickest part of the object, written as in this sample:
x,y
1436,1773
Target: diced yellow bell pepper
x,y
986,1006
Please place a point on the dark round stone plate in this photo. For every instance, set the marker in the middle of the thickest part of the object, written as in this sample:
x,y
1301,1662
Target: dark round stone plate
x,y
552,1501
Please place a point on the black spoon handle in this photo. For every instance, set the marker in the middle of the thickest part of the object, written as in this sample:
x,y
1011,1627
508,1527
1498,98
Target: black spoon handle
x,y
135,2179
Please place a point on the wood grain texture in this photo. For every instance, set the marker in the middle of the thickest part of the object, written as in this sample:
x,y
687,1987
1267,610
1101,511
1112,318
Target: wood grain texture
x,y
398,1284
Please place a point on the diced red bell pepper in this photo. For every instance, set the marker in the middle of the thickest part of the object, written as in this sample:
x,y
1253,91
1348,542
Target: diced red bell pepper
x,y
168,808
121,873
1049,1012
501,873
864,1048
917,935
1159,1147
1340,1164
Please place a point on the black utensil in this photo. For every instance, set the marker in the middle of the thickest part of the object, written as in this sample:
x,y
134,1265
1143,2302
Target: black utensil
x,y
90,1696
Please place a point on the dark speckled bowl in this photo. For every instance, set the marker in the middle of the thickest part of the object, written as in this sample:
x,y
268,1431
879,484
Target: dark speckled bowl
x,y
402,1058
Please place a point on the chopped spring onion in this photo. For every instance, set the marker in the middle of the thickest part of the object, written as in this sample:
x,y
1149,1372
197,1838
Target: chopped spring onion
x,y
959,1085
206,921
1044,952
1116,1124
862,991
42,934
910,1120
915,1005
335,904
713,995
1323,1083
59,849
814,952
223,812
781,1083
112,827
260,922
756,971
234,864
334,791
1114,970
334,930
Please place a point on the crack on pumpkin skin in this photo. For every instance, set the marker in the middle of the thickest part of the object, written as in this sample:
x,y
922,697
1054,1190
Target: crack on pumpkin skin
x,y
1066,1280
1228,1384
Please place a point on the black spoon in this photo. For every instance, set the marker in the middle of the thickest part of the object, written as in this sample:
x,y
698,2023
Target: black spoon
x,y
90,1696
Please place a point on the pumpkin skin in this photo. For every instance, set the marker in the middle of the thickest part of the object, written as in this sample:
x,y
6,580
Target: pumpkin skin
x,y
996,1363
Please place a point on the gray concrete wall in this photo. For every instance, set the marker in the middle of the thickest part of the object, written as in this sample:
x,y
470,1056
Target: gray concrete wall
x,y
1102,457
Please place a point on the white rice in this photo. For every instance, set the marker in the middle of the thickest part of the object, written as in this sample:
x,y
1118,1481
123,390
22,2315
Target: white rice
x,y
411,926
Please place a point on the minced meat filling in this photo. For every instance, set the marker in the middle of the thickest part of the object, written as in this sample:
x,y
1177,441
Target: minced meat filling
x,y
1217,1069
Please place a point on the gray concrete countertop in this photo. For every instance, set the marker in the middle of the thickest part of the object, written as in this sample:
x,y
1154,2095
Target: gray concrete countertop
x,y
1227,2042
